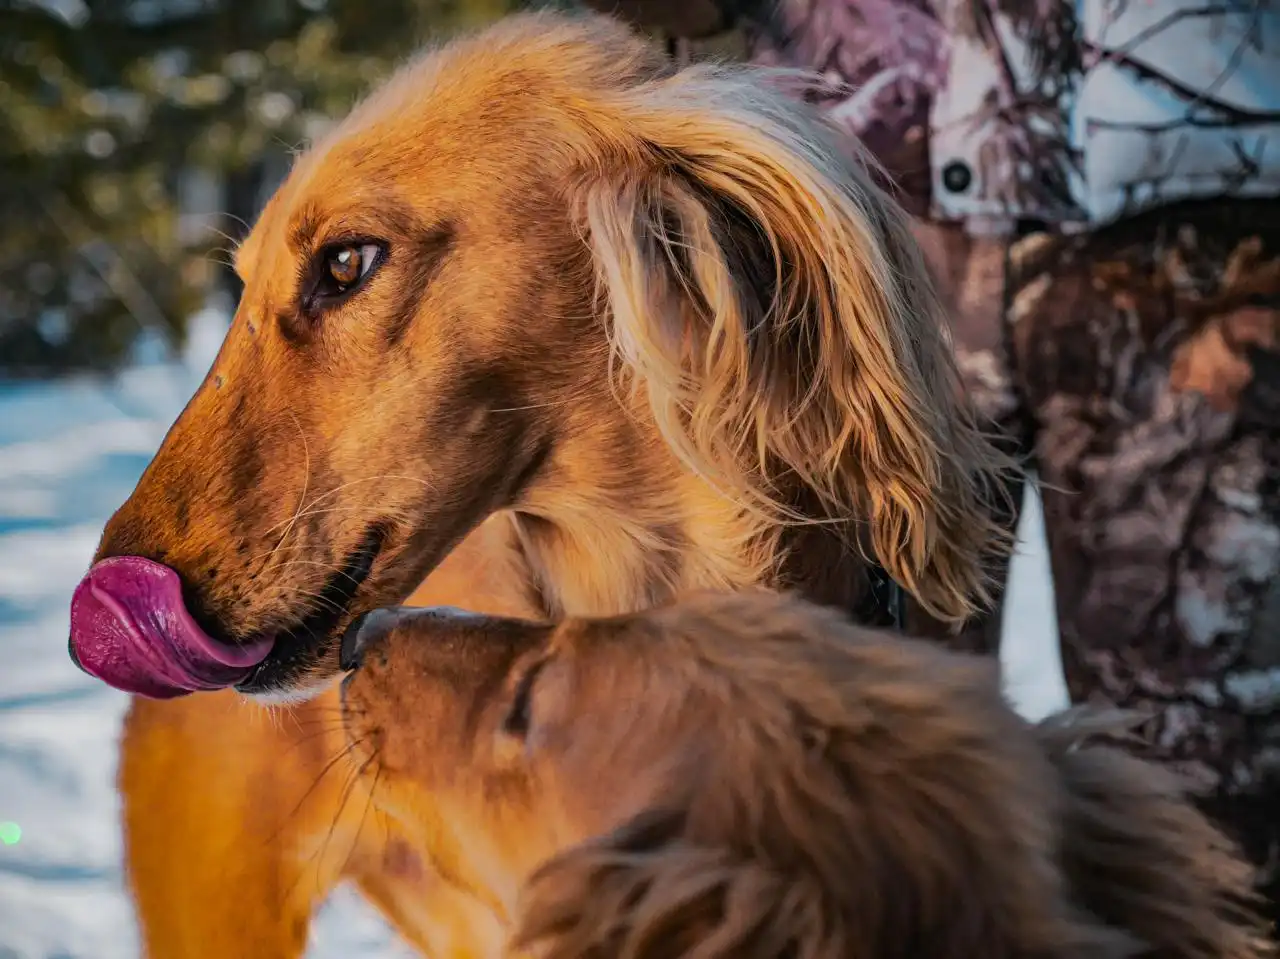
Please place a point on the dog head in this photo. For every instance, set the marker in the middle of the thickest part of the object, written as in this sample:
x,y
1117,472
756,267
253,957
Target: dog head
x,y
541,271
736,775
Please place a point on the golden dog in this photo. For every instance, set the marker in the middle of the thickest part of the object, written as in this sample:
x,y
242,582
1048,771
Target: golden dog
x,y
620,331
750,775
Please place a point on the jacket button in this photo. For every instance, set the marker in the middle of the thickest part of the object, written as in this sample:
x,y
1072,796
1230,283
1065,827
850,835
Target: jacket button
x,y
956,176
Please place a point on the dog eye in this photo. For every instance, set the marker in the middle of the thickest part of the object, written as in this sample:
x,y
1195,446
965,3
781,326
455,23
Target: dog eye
x,y
520,713
345,266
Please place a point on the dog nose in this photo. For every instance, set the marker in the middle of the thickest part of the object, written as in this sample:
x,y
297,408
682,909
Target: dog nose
x,y
366,630
355,641
370,627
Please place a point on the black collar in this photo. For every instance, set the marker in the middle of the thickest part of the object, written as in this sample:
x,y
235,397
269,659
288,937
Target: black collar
x,y
884,603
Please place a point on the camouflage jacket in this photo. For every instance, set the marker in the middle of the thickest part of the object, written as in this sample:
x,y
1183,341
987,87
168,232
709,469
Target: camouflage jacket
x,y
1067,112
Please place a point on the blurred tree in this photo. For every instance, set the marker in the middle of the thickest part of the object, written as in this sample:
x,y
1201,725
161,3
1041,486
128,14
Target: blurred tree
x,y
112,112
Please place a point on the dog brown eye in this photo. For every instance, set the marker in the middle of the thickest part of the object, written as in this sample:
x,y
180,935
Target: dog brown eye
x,y
345,266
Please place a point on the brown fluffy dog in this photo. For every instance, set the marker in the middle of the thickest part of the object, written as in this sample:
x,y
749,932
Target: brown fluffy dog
x,y
622,332
752,776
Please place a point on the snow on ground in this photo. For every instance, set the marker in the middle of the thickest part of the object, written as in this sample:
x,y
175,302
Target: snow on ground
x,y
69,454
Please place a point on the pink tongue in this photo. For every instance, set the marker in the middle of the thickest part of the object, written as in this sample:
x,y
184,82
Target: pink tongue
x,y
130,629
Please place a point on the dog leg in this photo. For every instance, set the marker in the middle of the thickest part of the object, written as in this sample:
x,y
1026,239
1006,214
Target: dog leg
x,y
237,823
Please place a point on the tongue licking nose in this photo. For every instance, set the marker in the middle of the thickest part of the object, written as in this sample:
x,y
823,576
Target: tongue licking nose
x,y
131,629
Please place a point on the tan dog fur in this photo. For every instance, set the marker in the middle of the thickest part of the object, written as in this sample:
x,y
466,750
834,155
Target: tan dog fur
x,y
635,332
747,775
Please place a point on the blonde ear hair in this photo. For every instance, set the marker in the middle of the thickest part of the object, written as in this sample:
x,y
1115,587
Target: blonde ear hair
x,y
772,303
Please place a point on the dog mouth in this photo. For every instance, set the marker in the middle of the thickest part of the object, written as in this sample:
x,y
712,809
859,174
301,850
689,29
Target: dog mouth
x,y
300,649
131,628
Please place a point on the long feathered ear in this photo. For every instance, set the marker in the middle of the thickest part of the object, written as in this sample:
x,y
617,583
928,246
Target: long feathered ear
x,y
780,319
644,893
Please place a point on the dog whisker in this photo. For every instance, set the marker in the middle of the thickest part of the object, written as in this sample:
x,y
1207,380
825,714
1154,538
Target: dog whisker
x,y
352,782
370,788
340,756
327,567
306,479
376,478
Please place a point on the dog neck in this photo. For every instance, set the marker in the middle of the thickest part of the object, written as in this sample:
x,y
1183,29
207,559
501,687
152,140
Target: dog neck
x,y
603,555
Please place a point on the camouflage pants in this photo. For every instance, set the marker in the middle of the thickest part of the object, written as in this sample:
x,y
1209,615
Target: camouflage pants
x,y
1139,369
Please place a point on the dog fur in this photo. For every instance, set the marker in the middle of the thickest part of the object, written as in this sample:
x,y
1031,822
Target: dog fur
x,y
750,775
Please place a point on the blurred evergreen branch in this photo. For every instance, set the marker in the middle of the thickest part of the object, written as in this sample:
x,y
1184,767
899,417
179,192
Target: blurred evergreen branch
x,y
109,107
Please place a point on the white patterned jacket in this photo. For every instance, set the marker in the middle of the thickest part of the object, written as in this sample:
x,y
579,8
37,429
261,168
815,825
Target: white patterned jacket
x,y
1069,112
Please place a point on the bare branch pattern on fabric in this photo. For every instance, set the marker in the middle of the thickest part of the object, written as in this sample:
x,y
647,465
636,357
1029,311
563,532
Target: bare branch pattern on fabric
x,y
1203,78
880,62
1047,109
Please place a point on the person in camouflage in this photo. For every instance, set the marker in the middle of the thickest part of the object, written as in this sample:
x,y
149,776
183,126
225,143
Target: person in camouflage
x,y
1097,184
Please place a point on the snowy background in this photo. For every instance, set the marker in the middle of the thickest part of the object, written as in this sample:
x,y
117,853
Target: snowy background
x,y
70,453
